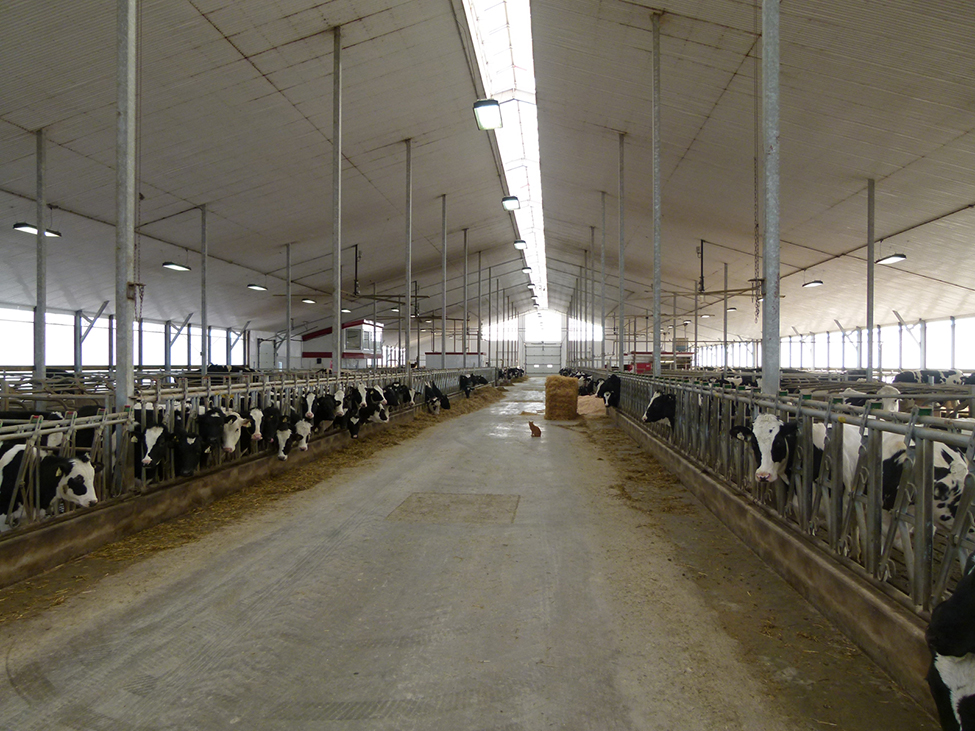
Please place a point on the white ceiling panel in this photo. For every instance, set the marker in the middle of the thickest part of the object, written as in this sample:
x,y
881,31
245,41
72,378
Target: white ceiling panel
x,y
235,112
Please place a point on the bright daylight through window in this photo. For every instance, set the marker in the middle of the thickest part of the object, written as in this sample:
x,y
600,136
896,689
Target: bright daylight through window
x,y
503,47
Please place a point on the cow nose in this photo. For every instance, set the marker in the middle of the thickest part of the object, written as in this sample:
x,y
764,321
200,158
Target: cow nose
x,y
763,476
309,415
147,461
228,449
257,437
282,457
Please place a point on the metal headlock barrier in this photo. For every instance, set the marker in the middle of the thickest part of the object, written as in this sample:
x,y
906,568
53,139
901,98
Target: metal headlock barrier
x,y
904,547
88,426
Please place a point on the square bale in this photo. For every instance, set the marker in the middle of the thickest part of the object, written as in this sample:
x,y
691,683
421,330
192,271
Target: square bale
x,y
561,398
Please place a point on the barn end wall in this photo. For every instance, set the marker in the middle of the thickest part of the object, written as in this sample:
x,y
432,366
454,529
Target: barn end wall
x,y
889,634
54,542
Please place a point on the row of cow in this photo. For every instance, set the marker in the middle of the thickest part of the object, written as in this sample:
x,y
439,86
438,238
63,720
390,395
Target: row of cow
x,y
951,631
183,438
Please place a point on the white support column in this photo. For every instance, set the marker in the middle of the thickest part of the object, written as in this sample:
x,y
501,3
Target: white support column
x,y
125,195
771,345
40,301
657,282
408,302
621,315
337,201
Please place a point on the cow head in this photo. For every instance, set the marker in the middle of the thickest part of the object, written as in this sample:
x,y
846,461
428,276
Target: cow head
x,y
661,406
773,444
302,432
187,451
77,485
232,424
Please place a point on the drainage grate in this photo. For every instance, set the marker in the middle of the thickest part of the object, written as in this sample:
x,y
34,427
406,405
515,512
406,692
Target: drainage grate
x,y
442,507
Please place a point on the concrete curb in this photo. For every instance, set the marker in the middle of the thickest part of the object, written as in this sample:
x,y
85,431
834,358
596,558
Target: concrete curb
x,y
889,634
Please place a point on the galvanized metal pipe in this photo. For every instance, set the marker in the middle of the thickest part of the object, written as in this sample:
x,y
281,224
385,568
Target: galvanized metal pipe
x,y
466,275
337,200
724,335
204,256
443,286
480,329
602,290
656,201
621,344
870,276
40,299
287,329
770,115
408,302
125,195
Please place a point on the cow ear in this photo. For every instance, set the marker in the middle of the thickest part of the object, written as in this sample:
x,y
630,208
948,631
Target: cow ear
x,y
58,472
134,439
742,433
98,466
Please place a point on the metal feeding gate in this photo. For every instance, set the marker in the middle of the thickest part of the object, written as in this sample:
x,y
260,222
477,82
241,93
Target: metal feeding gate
x,y
917,558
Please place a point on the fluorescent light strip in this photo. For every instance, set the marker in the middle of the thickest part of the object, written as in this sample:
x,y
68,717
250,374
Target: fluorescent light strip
x,y
503,48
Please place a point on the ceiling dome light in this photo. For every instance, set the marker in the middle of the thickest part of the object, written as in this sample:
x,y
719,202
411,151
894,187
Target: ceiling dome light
x,y
526,270
308,301
257,287
487,112
705,315
395,309
814,283
892,259
346,311
29,228
732,309
520,245
510,203
176,266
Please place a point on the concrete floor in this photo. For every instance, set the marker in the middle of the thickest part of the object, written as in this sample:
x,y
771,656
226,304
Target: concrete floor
x,y
473,578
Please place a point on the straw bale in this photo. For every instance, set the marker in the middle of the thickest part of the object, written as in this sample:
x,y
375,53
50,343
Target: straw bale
x,y
561,398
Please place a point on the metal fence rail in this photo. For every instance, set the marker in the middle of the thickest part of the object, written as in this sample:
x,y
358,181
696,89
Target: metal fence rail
x,y
105,436
839,506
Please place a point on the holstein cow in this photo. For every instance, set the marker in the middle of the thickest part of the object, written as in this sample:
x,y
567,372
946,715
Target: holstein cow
x,y
220,429
152,443
187,449
661,406
773,443
609,391
71,479
466,385
50,441
434,398
886,394
375,413
292,433
949,377
951,639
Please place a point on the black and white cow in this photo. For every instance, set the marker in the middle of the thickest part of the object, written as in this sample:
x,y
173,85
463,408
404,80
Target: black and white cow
x,y
466,385
951,639
220,429
399,394
886,394
49,441
324,412
187,449
773,443
609,391
434,398
926,376
152,443
375,395
71,479
661,406
375,413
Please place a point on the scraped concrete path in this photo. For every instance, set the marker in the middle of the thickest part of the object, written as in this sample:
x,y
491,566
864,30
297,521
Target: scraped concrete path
x,y
471,579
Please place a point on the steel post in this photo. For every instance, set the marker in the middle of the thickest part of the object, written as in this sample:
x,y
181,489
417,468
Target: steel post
x,y
337,201
771,345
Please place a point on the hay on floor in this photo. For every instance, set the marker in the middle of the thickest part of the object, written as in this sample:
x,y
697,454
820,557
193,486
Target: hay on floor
x,y
561,398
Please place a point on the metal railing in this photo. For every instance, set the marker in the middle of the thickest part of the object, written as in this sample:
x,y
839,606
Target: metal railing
x,y
104,436
840,507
